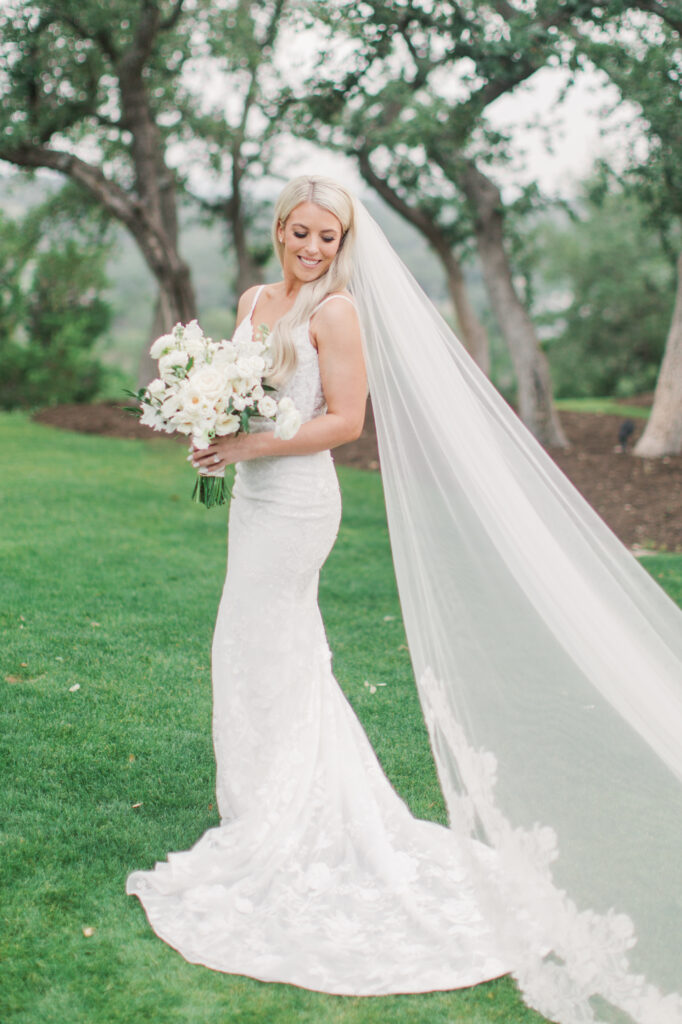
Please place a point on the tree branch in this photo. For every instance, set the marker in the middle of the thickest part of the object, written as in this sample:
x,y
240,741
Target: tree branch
x,y
173,18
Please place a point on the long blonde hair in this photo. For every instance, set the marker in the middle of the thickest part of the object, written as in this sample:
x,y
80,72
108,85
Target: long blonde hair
x,y
324,192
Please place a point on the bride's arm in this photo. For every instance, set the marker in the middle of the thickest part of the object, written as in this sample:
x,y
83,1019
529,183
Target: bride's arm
x,y
336,332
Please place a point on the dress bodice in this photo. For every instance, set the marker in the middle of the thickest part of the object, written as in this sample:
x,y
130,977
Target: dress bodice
x,y
304,387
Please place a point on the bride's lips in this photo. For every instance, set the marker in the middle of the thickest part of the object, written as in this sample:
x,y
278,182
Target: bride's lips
x,y
309,263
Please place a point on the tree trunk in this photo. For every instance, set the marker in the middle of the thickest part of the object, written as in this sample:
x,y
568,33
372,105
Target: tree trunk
x,y
536,407
472,333
248,272
663,433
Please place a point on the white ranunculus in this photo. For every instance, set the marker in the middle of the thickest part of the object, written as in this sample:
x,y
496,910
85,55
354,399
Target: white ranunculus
x,y
288,419
227,424
163,344
210,382
267,406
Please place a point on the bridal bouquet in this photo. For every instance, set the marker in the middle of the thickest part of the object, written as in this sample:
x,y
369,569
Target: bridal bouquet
x,y
208,389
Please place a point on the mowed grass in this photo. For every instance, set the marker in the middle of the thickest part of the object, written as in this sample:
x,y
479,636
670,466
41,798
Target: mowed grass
x,y
110,583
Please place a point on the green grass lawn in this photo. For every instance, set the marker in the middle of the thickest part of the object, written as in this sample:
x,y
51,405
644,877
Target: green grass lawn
x,y
603,406
110,583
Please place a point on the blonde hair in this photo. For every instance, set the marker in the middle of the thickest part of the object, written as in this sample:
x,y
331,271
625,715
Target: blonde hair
x,y
336,199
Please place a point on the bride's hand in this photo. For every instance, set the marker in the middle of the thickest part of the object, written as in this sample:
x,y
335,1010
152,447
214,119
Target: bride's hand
x,y
222,451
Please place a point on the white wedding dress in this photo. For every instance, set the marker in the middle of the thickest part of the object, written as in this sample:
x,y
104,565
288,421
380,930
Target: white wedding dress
x,y
318,874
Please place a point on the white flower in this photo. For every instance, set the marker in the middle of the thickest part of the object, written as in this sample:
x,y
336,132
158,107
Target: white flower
x,y
201,436
267,406
169,361
193,340
152,417
224,353
209,382
251,366
227,424
257,393
288,419
156,388
163,344
238,402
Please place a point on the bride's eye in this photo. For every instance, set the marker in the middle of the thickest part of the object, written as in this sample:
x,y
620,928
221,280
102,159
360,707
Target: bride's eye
x,y
300,234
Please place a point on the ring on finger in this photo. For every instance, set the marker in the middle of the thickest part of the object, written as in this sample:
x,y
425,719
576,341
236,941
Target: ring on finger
x,y
216,458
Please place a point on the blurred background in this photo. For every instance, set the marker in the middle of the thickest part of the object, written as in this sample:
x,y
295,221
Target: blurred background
x,y
525,159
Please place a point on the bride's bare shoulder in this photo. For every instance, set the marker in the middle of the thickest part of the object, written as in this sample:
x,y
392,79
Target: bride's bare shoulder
x,y
245,300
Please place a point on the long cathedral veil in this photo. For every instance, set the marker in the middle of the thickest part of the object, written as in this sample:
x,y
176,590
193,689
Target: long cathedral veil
x,y
549,667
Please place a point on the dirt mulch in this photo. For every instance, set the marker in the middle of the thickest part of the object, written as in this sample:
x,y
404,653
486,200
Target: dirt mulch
x,y
640,499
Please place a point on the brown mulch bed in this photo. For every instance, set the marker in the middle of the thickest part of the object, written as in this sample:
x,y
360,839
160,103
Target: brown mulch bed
x,y
640,499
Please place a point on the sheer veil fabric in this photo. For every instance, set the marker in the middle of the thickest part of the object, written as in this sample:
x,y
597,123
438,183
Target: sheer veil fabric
x,y
549,667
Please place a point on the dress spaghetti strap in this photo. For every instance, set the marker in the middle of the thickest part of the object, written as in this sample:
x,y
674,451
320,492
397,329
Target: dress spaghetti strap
x,y
255,300
336,295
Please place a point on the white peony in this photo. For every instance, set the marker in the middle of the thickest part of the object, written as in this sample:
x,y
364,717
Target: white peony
x,y
267,406
163,344
288,419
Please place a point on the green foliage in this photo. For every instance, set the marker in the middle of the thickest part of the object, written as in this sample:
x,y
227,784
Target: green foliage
x,y
611,289
112,596
51,315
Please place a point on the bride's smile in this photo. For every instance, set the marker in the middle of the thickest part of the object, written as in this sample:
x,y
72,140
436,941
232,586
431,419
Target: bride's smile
x,y
310,239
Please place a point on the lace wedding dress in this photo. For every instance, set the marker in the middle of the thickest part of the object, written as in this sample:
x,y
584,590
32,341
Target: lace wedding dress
x,y
318,874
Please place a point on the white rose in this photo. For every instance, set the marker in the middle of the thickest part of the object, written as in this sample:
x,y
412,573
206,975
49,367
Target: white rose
x,y
227,424
209,382
251,366
267,407
163,344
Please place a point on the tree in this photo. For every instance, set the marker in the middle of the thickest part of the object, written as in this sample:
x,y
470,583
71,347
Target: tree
x,y
412,107
604,280
234,139
52,305
85,92
650,77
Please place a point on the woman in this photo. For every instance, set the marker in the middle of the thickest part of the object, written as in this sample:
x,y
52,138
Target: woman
x,y
529,629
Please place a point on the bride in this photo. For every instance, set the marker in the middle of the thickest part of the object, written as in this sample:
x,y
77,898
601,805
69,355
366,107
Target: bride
x,y
543,654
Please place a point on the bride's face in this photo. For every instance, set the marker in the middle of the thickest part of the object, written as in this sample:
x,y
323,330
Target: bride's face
x,y
311,237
